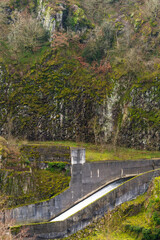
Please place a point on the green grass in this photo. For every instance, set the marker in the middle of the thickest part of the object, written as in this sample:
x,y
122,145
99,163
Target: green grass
x,y
120,236
105,152
110,236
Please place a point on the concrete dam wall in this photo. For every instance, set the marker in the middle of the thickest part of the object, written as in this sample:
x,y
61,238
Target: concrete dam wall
x,y
86,178
125,192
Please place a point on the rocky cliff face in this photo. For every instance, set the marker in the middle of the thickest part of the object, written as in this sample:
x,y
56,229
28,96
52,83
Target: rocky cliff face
x,y
131,119
58,17
141,128
52,20
107,115
101,86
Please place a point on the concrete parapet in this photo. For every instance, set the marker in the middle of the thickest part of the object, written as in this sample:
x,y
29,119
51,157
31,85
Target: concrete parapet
x,y
77,156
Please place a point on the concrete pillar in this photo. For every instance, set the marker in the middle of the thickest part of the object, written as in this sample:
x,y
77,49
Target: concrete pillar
x,y
77,156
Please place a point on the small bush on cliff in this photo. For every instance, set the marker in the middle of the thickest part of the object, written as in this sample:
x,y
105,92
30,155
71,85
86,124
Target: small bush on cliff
x,y
26,33
10,154
56,166
99,43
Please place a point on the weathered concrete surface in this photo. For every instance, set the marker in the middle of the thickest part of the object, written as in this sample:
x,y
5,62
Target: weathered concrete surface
x,y
86,178
77,156
125,192
39,154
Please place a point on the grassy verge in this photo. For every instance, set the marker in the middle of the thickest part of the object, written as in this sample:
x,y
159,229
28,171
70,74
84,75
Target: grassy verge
x,y
105,152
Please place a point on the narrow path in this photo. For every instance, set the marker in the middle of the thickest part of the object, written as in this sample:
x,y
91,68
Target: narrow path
x,y
87,201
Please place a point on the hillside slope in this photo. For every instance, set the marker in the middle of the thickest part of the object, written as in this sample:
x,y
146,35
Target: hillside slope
x,y
91,73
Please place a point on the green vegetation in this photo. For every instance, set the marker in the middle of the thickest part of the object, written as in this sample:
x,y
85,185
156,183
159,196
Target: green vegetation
x,y
23,182
56,166
3,148
21,188
96,82
104,152
83,71
43,184
137,219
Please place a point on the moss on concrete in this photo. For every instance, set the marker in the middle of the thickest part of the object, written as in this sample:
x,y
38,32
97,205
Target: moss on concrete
x,y
97,152
21,188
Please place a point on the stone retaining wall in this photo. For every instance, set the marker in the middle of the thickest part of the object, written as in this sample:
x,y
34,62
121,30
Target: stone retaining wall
x,y
40,154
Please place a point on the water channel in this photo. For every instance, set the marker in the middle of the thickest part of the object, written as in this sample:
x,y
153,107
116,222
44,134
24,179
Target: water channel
x,y
87,201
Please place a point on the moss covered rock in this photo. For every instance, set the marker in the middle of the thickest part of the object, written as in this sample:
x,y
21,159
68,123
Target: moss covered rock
x,y
19,188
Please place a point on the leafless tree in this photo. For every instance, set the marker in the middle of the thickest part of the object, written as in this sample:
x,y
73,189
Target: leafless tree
x,y
3,25
6,223
152,8
25,33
